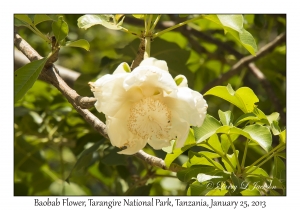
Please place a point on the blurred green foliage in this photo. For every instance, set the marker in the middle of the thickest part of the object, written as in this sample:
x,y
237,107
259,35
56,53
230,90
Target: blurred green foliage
x,y
49,135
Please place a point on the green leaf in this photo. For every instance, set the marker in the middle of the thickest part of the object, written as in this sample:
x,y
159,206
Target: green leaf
x,y
25,77
60,29
282,137
226,118
204,158
197,188
82,43
108,21
212,141
248,41
275,128
139,16
41,18
217,192
232,21
169,149
208,128
24,18
273,117
246,117
190,142
225,142
257,133
237,182
250,191
233,161
85,158
244,98
257,171
261,135
279,169
233,24
192,172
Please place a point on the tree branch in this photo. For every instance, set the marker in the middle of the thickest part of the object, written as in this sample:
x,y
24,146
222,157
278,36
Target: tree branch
x,y
51,76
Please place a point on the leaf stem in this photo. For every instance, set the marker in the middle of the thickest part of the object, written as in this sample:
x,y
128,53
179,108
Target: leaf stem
x,y
245,154
176,26
147,47
278,147
130,32
155,22
209,160
235,154
37,32
149,23
256,167
222,155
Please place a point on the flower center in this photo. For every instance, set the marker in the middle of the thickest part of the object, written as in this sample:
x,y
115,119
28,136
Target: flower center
x,y
150,118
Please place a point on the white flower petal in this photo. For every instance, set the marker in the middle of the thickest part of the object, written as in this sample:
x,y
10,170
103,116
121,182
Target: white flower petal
x,y
134,145
180,128
181,81
122,68
154,62
110,93
158,143
189,105
151,80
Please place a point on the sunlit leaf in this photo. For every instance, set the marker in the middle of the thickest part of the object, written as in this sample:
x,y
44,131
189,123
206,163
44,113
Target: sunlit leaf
x,y
138,16
282,137
250,191
257,171
108,21
213,142
246,117
82,43
225,117
233,24
244,98
261,135
25,77
232,160
232,21
204,158
208,128
217,192
190,142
